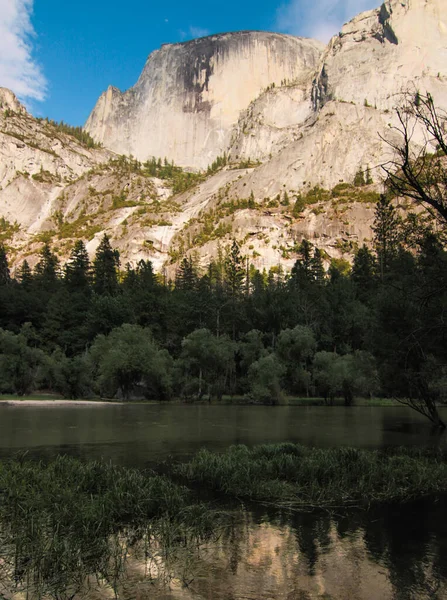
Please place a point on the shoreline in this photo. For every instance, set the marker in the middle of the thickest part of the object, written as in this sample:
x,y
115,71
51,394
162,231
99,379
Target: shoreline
x,y
49,400
15,402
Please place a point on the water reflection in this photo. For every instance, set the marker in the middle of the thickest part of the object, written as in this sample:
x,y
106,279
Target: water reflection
x,y
396,553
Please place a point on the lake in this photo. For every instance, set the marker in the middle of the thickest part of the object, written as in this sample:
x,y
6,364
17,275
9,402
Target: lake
x,y
141,434
395,552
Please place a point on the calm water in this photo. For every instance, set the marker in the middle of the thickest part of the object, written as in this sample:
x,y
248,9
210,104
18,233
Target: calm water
x,y
395,553
143,434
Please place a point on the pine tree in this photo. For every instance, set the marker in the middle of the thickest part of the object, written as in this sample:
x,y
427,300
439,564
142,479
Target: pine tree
x,y
105,268
186,275
5,276
302,269
234,271
359,179
25,275
145,273
305,250
363,272
316,267
386,233
77,270
130,282
47,268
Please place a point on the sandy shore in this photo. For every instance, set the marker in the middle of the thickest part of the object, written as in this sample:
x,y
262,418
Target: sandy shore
x,y
54,402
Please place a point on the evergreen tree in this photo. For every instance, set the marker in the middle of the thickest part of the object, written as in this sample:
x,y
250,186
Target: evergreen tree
x,y
77,270
251,201
306,256
25,274
47,268
186,275
145,274
359,179
302,269
316,267
363,272
234,271
105,268
5,276
285,201
386,233
130,281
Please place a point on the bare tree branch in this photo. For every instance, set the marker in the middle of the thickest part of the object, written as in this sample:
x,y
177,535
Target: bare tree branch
x,y
419,171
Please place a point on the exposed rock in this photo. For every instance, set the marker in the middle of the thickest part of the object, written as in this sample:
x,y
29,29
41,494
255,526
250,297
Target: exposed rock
x,y
189,96
322,122
8,101
338,118
384,52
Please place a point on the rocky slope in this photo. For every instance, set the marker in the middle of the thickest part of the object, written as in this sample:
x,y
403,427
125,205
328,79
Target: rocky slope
x,y
305,138
54,188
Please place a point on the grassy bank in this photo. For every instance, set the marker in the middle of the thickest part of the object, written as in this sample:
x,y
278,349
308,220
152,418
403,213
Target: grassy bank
x,y
296,476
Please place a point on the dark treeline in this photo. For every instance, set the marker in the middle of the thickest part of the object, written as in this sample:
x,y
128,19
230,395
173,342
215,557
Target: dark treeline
x,y
377,328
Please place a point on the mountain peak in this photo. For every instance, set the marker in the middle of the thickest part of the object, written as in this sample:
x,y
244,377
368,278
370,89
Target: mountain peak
x,y
190,95
9,101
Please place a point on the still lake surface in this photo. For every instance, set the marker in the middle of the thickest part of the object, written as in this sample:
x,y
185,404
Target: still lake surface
x,y
397,552
143,434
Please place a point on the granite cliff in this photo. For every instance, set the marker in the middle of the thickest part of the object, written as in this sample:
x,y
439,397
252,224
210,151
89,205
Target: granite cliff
x,y
294,119
189,96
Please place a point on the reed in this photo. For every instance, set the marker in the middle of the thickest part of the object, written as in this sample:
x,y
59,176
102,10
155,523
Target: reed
x,y
298,476
62,522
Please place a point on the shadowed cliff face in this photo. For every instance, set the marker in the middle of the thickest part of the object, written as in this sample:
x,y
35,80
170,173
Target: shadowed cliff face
x,y
189,96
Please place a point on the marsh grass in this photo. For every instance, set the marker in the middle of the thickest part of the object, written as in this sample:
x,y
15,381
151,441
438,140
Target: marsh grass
x,y
64,522
66,526
296,476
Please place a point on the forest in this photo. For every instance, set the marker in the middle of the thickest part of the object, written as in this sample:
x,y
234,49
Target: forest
x,y
95,329
328,329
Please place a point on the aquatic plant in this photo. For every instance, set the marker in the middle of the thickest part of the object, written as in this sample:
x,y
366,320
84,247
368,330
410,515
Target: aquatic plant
x,y
65,522
297,476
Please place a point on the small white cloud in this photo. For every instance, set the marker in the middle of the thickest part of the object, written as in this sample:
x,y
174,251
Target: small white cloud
x,y
197,32
18,68
320,19
192,33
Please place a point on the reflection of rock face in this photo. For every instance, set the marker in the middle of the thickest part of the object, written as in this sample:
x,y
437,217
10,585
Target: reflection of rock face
x,y
355,557
190,95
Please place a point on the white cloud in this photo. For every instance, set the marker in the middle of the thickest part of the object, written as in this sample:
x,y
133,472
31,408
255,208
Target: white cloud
x,y
197,32
192,33
320,19
18,68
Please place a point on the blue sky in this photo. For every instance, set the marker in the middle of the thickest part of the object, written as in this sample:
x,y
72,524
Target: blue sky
x,y
58,56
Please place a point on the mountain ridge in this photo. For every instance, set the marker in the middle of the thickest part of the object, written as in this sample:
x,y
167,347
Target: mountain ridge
x,y
301,142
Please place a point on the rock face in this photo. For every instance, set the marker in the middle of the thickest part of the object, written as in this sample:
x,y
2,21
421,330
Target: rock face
x,y
384,52
8,101
304,138
190,95
341,115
